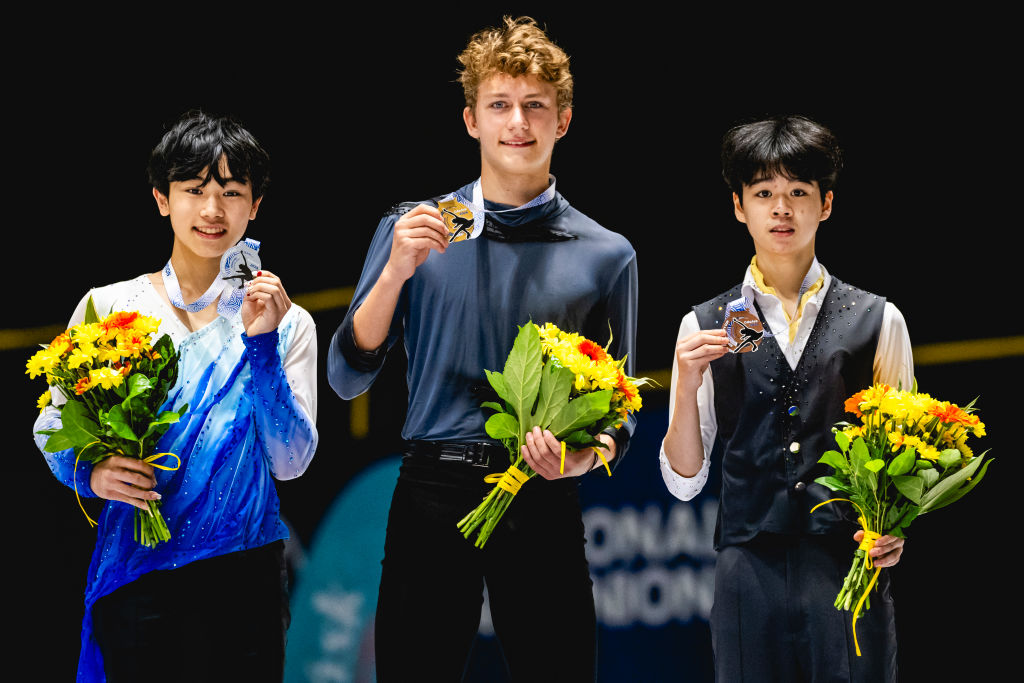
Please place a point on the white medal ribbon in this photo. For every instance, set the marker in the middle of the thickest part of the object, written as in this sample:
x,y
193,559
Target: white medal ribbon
x,y
476,205
240,262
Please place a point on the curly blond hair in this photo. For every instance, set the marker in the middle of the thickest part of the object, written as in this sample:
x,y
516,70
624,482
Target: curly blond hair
x,y
518,48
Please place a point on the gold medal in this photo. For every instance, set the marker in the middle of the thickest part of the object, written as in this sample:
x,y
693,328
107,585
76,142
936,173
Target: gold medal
x,y
458,219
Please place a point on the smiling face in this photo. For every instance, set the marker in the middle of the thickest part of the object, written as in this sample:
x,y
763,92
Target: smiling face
x,y
517,122
209,218
782,215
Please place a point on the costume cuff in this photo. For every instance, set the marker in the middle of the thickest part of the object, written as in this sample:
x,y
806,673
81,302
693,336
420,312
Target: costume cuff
x,y
358,359
683,488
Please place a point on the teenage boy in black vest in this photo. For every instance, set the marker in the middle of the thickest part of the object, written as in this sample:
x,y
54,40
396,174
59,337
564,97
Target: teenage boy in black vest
x,y
769,412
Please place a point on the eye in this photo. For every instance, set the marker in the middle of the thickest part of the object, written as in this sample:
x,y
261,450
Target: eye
x,y
497,105
763,194
799,193
534,105
194,190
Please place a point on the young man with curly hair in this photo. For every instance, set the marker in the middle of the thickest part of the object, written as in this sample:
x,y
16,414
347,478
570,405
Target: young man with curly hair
x,y
455,277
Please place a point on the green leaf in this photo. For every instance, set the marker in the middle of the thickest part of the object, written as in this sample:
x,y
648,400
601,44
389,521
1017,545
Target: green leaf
x,y
874,465
555,385
497,381
502,426
843,440
120,423
137,384
929,476
937,496
910,486
90,312
493,406
161,423
902,463
834,484
581,439
77,425
957,492
924,465
835,460
582,411
950,457
522,375
57,443
859,454
899,518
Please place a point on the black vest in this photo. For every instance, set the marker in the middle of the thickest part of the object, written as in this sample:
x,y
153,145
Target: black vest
x,y
775,422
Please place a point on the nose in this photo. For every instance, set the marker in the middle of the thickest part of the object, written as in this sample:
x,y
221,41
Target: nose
x,y
212,207
517,117
782,206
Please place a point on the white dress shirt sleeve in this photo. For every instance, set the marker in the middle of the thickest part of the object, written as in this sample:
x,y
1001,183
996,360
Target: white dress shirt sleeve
x,y
686,488
894,357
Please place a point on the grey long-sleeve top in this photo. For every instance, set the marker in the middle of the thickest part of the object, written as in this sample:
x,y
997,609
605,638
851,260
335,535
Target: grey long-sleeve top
x,y
460,312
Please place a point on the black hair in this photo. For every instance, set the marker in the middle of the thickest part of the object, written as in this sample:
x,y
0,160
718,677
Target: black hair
x,y
197,141
792,146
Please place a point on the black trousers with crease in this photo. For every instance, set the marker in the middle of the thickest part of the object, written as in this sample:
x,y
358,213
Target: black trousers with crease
x,y
432,579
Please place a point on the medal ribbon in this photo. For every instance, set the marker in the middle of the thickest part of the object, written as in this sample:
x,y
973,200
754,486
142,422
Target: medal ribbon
x,y
228,305
476,204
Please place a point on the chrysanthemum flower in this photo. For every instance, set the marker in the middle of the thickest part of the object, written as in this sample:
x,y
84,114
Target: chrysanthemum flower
x,y
105,377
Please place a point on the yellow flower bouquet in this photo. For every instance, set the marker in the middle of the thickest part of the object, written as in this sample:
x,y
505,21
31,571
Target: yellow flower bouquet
x,y
114,380
555,380
907,456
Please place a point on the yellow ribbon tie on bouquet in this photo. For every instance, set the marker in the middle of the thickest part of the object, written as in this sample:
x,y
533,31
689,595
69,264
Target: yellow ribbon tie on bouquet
x,y
150,460
510,480
866,544
561,468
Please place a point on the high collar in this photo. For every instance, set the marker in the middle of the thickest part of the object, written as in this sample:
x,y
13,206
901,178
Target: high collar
x,y
520,216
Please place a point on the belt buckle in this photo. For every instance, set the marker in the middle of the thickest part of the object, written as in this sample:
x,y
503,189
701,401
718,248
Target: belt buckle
x,y
476,455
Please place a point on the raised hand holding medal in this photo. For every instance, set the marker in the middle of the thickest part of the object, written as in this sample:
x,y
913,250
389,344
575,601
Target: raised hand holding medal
x,y
265,300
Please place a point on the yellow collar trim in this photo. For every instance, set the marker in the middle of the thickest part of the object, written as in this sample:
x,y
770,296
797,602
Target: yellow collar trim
x,y
811,291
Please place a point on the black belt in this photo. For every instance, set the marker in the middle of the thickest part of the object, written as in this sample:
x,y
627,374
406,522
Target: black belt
x,y
479,453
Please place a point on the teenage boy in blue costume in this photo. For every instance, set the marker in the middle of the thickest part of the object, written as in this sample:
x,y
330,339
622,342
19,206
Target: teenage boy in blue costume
x,y
458,305
211,603
769,414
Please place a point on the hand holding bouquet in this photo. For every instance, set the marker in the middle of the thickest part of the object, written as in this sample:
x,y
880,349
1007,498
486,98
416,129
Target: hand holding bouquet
x,y
115,381
557,381
908,456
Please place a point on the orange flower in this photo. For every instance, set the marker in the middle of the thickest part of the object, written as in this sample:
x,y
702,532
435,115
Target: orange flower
x,y
625,388
950,413
83,385
871,394
591,349
120,319
852,404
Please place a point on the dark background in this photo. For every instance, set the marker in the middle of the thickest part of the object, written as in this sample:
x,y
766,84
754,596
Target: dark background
x,y
361,111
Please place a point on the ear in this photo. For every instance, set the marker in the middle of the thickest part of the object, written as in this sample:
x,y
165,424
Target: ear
x,y
161,202
826,206
737,206
469,117
255,208
564,117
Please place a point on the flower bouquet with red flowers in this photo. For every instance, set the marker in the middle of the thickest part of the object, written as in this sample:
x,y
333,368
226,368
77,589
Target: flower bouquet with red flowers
x,y
558,381
114,380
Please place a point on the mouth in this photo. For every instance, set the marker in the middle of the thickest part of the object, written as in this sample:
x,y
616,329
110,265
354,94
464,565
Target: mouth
x,y
782,230
209,232
519,144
